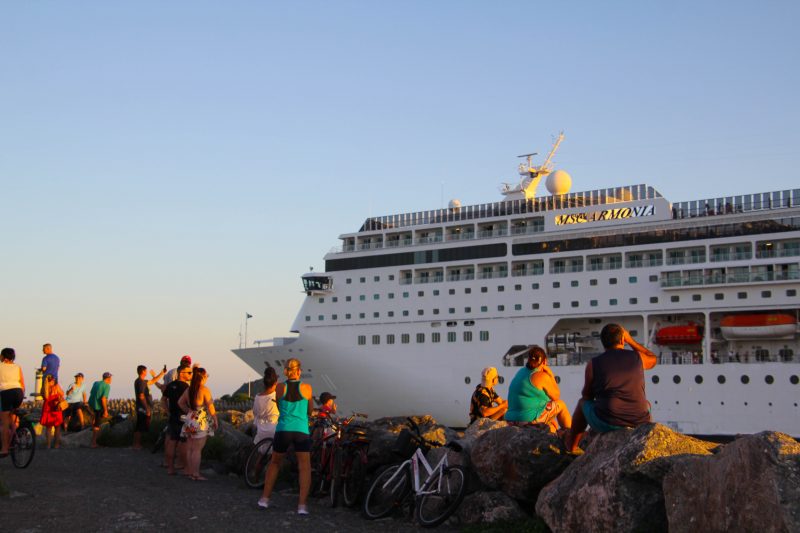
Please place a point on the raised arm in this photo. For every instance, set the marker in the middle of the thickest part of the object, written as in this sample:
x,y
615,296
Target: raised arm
x,y
649,359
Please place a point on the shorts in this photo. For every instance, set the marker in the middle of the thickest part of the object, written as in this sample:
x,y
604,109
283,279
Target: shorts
x,y
597,423
73,409
97,421
547,415
10,399
284,439
174,431
142,422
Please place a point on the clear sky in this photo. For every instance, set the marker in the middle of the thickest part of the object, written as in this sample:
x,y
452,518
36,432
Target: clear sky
x,y
167,167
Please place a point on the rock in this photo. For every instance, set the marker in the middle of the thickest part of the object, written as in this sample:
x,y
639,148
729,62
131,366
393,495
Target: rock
x,y
519,461
752,484
383,434
475,430
488,508
80,439
233,417
235,446
616,485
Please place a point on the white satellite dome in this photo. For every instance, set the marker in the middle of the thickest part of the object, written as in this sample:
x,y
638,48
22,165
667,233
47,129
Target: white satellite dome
x,y
559,182
455,204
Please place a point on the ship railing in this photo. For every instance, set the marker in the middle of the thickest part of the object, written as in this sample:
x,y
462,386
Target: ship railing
x,y
429,279
493,275
370,245
465,236
527,230
771,254
406,281
485,234
428,240
527,272
718,279
460,277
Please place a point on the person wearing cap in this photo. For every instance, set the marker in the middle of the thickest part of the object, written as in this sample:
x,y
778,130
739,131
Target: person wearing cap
x,y
534,396
172,375
98,402
327,406
76,398
485,402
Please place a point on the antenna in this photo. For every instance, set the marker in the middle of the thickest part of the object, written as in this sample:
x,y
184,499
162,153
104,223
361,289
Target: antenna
x,y
529,156
546,165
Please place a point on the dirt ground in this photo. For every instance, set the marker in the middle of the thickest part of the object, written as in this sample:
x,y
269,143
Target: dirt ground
x,y
119,489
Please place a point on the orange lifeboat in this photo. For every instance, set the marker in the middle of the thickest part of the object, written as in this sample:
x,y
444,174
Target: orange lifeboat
x,y
758,326
686,334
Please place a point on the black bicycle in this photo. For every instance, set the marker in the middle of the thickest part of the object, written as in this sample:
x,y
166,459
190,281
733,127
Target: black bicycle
x,y
23,441
255,468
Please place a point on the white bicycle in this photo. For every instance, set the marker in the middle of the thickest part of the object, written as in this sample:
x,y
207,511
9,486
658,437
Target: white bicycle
x,y
436,496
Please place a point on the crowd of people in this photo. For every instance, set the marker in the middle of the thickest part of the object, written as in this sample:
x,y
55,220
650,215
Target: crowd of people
x,y
613,394
613,397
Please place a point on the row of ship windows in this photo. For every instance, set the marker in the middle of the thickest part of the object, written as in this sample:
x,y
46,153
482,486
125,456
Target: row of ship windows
x,y
745,379
405,338
500,288
675,298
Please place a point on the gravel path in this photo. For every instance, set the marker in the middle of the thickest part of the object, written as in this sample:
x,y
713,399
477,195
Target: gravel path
x,y
119,489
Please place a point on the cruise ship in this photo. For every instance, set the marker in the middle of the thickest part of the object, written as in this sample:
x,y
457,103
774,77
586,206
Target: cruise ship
x,y
412,306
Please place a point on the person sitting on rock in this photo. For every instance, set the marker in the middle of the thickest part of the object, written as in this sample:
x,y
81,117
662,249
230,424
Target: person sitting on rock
x,y
534,396
485,402
613,394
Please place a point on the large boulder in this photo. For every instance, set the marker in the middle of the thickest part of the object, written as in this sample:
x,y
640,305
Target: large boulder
x,y
752,484
383,434
617,484
235,446
488,508
519,461
80,439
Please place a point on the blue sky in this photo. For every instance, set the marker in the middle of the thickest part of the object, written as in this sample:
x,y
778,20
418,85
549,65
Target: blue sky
x,y
167,167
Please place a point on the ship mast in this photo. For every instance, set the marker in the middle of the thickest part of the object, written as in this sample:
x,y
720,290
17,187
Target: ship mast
x,y
531,175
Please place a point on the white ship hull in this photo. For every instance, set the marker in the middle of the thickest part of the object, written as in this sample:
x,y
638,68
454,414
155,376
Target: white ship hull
x,y
414,306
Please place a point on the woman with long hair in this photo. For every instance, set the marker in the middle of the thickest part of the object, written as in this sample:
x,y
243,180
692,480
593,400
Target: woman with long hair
x,y
200,420
294,405
12,392
534,396
52,416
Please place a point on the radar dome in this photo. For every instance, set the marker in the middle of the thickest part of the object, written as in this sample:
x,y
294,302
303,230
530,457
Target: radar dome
x,y
455,204
559,182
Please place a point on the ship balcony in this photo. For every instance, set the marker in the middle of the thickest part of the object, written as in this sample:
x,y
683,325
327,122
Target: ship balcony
x,y
464,236
485,234
739,278
769,254
527,272
429,240
736,256
493,275
429,279
460,277
398,242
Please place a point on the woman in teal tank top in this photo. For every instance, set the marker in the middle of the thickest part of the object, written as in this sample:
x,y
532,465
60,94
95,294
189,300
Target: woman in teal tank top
x,y
294,406
534,396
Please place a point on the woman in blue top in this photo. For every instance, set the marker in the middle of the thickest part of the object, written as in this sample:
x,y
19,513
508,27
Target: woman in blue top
x,y
294,405
534,396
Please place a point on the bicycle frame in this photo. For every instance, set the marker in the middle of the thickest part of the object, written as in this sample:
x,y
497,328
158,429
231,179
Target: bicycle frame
x,y
420,488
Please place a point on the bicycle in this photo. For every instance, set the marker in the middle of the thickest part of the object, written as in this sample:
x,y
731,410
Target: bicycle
x,y
255,468
349,462
326,434
23,441
435,498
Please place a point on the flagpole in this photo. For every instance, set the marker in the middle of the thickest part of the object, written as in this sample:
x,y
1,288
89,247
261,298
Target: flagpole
x,y
247,316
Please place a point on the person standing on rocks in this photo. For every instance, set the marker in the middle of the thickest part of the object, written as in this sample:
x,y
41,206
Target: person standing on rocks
x,y
295,403
534,396
175,443
52,417
98,403
485,402
76,398
613,394
144,403
50,364
265,407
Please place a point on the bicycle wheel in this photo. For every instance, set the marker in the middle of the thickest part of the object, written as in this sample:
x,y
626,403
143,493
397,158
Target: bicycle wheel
x,y
159,444
24,446
353,477
336,468
318,464
447,488
387,491
255,468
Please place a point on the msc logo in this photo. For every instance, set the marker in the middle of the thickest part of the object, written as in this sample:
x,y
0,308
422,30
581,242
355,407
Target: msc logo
x,y
607,214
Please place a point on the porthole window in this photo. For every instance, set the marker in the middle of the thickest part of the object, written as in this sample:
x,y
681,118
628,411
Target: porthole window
x,y
656,379
676,379
745,380
698,379
769,379
467,380
558,379
501,380
794,380
720,379
745,403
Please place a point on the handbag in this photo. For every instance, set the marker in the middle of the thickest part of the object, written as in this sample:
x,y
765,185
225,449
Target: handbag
x,y
63,405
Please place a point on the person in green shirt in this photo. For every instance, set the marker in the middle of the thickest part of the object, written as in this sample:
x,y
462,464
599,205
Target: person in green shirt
x,y
98,401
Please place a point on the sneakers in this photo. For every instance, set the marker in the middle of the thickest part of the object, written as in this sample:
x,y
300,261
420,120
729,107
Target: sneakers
x,y
302,509
263,503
